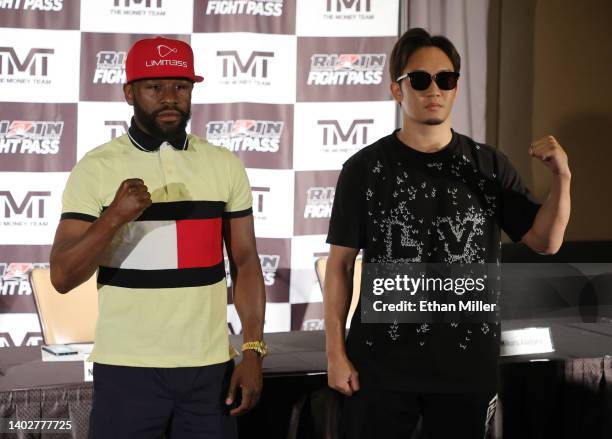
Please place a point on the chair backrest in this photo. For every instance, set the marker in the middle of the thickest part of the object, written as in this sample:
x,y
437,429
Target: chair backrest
x,y
65,318
320,266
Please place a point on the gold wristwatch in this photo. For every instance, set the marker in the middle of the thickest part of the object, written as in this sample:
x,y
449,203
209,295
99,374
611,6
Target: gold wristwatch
x,y
258,346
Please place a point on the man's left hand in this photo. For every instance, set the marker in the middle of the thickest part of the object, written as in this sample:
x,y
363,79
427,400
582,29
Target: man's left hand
x,y
548,150
248,377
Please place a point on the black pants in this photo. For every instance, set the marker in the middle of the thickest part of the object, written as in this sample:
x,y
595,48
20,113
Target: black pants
x,y
374,413
148,403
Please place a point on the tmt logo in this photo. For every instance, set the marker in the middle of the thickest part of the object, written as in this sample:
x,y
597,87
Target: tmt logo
x,y
254,70
30,339
348,5
117,127
258,198
31,206
130,3
335,139
35,63
110,67
319,201
138,7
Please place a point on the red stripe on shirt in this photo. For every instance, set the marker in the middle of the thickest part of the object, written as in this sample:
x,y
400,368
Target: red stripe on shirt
x,y
198,242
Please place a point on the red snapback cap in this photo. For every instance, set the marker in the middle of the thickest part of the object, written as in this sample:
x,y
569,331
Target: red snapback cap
x,y
160,57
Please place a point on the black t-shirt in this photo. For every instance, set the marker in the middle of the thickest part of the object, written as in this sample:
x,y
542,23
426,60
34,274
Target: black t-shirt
x,y
401,205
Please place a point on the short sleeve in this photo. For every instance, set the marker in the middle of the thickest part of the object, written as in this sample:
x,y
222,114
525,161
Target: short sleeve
x,y
81,199
240,199
518,206
347,225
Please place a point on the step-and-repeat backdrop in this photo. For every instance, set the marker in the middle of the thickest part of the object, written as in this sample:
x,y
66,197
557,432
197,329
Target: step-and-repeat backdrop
x,y
293,87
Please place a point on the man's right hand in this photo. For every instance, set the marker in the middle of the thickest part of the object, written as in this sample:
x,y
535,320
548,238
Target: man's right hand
x,y
79,245
131,199
342,375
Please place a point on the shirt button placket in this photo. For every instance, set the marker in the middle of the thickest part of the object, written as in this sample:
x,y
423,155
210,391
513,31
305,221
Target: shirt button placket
x,y
165,162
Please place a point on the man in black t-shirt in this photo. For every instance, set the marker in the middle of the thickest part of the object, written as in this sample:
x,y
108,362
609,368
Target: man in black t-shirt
x,y
426,193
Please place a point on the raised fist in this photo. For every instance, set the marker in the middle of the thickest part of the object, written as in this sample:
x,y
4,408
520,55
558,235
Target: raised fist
x,y
131,199
548,150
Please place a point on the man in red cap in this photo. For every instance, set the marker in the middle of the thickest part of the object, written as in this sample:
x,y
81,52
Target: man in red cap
x,y
151,211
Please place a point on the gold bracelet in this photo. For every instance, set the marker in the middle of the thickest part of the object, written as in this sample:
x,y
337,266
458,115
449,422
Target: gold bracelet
x,y
258,346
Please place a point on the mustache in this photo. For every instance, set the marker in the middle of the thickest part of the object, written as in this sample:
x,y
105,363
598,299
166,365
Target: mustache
x,y
185,114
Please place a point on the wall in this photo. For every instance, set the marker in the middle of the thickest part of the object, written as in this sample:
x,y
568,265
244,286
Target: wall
x,y
554,56
572,59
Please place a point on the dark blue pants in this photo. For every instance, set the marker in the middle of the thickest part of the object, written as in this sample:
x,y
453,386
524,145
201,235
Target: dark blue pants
x,y
152,403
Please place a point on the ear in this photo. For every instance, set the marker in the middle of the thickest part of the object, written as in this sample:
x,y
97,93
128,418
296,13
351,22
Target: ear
x,y
396,91
128,93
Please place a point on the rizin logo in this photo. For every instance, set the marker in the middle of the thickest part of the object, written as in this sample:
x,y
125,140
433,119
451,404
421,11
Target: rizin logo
x,y
30,137
313,325
164,50
253,71
346,69
117,127
110,67
335,139
246,134
269,265
348,9
319,201
14,278
33,5
33,68
266,8
137,7
26,211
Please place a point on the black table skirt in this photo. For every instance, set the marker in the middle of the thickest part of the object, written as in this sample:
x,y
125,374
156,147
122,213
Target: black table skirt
x,y
569,395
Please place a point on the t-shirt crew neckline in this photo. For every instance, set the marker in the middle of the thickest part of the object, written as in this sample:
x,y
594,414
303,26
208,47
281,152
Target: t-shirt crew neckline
x,y
409,151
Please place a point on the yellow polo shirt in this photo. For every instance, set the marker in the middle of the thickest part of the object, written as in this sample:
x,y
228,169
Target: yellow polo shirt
x,y
161,283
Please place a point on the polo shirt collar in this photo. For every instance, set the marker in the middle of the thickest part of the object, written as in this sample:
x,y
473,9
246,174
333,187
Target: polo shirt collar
x,y
146,142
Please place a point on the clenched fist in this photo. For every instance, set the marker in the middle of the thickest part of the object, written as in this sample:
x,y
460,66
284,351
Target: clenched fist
x,y
548,150
131,199
342,375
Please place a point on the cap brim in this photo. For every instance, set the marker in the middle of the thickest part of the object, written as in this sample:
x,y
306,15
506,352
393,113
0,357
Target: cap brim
x,y
197,78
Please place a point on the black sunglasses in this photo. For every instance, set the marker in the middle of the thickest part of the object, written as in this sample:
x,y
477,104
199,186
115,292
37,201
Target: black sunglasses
x,y
420,80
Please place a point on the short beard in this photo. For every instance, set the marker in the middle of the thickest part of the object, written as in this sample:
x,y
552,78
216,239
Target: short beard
x,y
156,130
433,122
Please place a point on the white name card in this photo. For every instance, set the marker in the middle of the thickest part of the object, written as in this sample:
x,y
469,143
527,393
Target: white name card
x,y
88,370
526,341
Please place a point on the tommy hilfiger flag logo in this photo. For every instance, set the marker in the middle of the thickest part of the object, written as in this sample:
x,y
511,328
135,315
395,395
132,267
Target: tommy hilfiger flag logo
x,y
171,245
